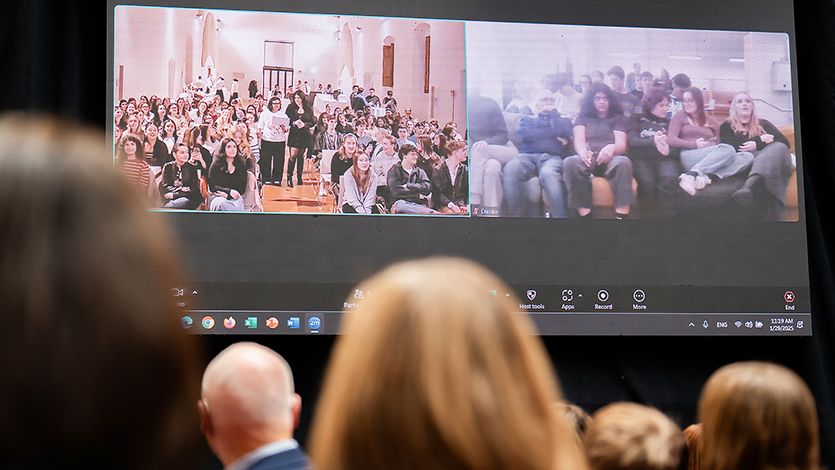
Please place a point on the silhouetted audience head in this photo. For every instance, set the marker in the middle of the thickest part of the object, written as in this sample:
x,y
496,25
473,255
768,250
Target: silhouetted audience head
x,y
434,370
758,416
577,419
629,436
247,401
97,371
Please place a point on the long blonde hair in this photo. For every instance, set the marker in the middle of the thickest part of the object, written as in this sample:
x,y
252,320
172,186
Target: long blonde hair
x,y
758,416
752,128
436,371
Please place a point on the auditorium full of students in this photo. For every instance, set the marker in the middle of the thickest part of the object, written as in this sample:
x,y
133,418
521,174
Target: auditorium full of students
x,y
212,148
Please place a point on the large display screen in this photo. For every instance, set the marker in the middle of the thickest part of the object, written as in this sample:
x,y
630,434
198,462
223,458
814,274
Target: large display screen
x,y
641,177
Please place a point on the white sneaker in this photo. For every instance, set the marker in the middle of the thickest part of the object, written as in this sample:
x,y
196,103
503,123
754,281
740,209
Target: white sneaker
x,y
687,183
702,181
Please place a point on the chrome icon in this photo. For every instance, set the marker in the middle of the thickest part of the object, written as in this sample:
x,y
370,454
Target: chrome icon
x,y
229,323
208,322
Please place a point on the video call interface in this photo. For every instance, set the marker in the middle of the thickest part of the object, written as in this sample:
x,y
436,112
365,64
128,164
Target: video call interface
x,y
622,180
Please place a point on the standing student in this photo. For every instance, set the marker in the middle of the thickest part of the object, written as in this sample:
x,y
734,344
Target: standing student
x,y
273,137
300,136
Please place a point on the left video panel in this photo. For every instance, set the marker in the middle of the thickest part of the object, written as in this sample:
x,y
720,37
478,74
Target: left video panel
x,y
222,110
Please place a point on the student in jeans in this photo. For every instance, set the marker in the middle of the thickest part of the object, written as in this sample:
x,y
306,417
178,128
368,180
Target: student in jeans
x,y
180,186
544,139
450,182
227,178
769,148
701,153
600,142
655,167
408,184
360,191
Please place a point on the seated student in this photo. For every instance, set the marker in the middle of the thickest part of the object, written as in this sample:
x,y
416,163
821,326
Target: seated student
x,y
201,157
131,162
544,143
227,178
628,101
344,158
680,84
627,436
384,158
180,186
401,392
491,149
248,410
363,139
328,138
757,415
770,150
643,84
428,160
567,99
97,372
408,184
450,182
601,143
702,155
360,191
655,168
403,136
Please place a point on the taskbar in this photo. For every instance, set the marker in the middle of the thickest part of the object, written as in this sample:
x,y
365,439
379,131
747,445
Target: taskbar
x,y
267,322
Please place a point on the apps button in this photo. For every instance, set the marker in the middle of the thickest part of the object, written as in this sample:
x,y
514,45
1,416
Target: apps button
x,y
272,323
229,323
251,322
293,322
187,322
208,322
314,323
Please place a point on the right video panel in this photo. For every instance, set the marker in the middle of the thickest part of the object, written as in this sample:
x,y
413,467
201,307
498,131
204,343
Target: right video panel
x,y
638,123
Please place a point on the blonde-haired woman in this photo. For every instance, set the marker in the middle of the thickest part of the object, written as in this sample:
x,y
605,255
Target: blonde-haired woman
x,y
758,416
759,140
434,370
624,436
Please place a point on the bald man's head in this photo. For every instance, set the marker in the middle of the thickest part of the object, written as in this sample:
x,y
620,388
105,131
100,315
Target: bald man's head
x,y
247,400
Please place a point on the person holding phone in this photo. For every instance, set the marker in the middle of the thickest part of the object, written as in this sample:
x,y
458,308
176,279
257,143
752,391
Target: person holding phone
x,y
600,141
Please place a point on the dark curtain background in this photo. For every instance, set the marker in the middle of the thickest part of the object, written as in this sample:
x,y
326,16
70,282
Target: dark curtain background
x,y
53,59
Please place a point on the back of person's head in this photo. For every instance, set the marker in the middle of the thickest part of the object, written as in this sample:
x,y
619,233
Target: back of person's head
x,y
247,400
434,370
629,436
682,81
96,368
455,145
758,416
693,439
577,419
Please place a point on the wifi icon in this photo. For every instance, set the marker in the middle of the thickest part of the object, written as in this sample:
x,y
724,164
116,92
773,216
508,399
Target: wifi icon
x,y
738,324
